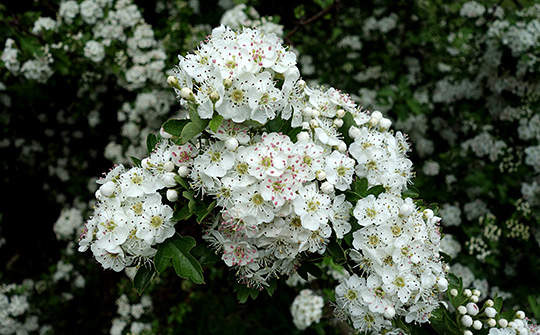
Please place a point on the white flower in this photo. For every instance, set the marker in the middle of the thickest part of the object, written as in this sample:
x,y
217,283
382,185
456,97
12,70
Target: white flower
x,y
216,160
94,51
138,181
156,223
312,206
339,170
306,309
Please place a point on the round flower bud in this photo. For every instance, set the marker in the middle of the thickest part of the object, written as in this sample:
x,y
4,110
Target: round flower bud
x,y
172,195
389,312
454,292
376,115
489,303
214,96
519,323
168,166
474,298
327,187
467,332
512,324
173,82
467,292
342,146
227,83
168,179
477,324
462,310
302,136
313,123
442,284
315,113
338,123
354,132
466,320
164,134
385,123
183,171
520,315
476,292
490,312
186,93
307,111
231,144
428,213
301,83
340,113
321,175
523,331
472,308
492,323
503,323
107,189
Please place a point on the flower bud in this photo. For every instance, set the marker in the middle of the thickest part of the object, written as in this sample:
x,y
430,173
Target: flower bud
x,y
164,134
321,175
476,292
454,292
376,115
523,331
187,93
340,113
385,123
168,179
492,323
302,136
467,332
474,298
477,324
490,312
107,189
327,187
462,309
428,213
512,324
489,303
301,83
342,146
354,132
389,312
168,166
466,320
305,126
227,82
442,284
307,111
338,123
146,163
313,123
406,210
472,308
172,81
315,113
520,315
214,96
172,195
183,171
503,323
231,144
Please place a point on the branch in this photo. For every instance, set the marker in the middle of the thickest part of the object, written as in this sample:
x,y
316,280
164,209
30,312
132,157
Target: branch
x,y
304,22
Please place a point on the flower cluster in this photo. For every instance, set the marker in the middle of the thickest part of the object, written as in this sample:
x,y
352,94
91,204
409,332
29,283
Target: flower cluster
x,y
306,309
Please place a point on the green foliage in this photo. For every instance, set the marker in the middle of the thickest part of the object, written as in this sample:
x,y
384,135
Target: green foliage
x,y
177,249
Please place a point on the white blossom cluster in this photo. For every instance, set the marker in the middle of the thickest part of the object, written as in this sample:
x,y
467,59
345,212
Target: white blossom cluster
x,y
306,309
130,216
129,316
397,249
15,310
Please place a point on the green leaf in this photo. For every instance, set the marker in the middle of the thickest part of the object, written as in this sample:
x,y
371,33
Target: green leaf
x,y
142,278
311,268
135,160
215,122
446,257
151,141
177,249
204,210
204,254
182,214
361,186
243,292
299,12
271,288
192,129
411,192
182,182
335,250
174,127
352,197
376,190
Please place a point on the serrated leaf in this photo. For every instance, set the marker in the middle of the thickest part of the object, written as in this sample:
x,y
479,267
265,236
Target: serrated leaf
x,y
192,129
204,254
215,122
177,249
174,126
151,141
352,197
243,292
204,211
411,192
142,278
376,190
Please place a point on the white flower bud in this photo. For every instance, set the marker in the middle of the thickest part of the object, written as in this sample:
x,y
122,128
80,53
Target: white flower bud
x,y
302,136
168,179
519,323
454,292
227,82
503,323
512,324
338,123
321,175
173,82
342,146
489,303
462,310
428,213
472,308
490,312
172,195
186,93
307,111
313,123
340,113
385,123
164,134
305,125
467,292
168,166
523,331
477,324
354,132
183,171
214,96
389,312
442,284
301,83
476,292
467,332
145,163
376,115
327,187
474,298
107,189
231,144
466,320
520,315
492,323
315,113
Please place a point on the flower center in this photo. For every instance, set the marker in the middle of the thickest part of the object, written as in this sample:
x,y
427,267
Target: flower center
x,y
109,225
136,179
257,199
351,295
396,230
266,162
307,160
374,240
215,156
242,168
296,222
156,221
341,170
137,208
237,96
399,282
312,206
371,213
